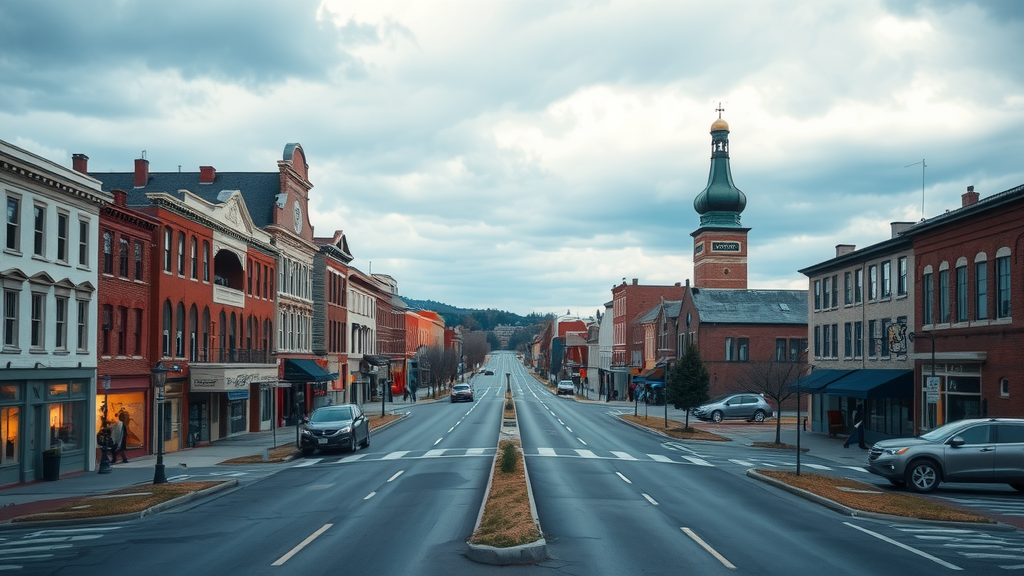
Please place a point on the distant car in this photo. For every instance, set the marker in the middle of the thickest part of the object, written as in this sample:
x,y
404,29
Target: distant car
x,y
488,372
462,393
749,407
334,427
565,387
989,450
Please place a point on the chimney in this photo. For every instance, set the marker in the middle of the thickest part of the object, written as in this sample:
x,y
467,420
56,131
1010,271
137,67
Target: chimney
x,y
80,163
141,172
970,198
844,249
635,281
120,197
207,174
899,227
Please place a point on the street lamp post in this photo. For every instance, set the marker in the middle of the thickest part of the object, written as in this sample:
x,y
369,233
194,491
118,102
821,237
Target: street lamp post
x,y
159,380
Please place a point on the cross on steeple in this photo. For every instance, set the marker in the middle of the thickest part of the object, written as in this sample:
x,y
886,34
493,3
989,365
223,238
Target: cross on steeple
x,y
719,110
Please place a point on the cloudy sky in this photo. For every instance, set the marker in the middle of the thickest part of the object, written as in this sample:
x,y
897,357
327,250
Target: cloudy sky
x,y
529,155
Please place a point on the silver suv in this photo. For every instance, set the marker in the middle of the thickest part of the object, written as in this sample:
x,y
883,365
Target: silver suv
x,y
749,407
989,450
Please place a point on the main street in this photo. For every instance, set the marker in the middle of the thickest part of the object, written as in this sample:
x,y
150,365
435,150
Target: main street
x,y
612,499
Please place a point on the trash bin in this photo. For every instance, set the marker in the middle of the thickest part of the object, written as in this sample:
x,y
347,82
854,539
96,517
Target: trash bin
x,y
51,464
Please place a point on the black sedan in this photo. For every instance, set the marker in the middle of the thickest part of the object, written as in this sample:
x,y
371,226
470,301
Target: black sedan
x,y
334,427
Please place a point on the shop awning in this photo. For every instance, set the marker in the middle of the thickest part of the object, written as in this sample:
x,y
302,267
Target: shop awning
x,y
818,379
304,370
867,383
377,360
656,374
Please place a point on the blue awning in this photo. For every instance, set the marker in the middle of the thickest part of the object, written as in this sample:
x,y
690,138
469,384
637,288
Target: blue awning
x,y
869,383
238,394
815,381
305,370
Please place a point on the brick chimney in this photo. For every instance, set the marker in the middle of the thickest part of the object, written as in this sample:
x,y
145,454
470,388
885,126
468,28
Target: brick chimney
x,y
970,198
141,172
80,163
635,281
207,174
844,249
120,197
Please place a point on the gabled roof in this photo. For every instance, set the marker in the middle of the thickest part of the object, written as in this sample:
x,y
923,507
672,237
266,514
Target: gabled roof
x,y
259,189
720,306
671,308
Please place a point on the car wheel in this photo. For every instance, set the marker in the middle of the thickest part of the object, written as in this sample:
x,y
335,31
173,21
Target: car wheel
x,y
366,441
716,416
759,416
355,443
922,476
307,452
1018,486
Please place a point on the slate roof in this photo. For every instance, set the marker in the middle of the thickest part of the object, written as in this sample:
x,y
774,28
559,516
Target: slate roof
x,y
718,306
671,310
259,189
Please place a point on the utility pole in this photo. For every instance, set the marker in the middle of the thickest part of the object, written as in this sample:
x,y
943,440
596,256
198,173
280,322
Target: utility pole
x,y
923,166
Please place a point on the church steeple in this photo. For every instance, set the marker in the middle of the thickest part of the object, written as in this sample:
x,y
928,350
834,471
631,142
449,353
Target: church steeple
x,y
721,202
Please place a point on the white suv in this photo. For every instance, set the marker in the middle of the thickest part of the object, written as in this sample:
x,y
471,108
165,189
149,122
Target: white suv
x,y
565,387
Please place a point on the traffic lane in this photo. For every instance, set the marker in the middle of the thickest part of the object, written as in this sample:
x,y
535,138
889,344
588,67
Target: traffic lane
x,y
427,425
596,523
540,426
750,523
477,423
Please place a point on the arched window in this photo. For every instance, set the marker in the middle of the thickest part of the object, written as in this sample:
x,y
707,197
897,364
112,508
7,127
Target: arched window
x,y
168,236
108,253
179,334
181,253
222,319
233,333
206,261
193,329
206,334
166,330
195,258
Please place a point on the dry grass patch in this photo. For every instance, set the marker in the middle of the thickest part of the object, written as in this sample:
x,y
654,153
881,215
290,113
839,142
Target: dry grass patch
x,y
779,446
376,420
675,428
870,498
507,520
124,501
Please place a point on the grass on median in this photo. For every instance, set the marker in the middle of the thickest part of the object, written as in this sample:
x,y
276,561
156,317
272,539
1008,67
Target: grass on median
x,y
507,520
124,501
675,428
870,498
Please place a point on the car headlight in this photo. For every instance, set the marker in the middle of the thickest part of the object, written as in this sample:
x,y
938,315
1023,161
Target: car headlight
x,y
306,432
345,430
895,451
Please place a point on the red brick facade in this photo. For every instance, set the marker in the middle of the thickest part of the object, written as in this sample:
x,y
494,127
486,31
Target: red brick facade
x,y
720,258
629,303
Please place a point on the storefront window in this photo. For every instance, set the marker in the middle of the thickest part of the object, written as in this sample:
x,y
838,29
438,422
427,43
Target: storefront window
x,y
958,395
9,418
129,409
236,413
66,425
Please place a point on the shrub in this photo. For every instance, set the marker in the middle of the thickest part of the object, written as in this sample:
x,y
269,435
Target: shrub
x,y
508,458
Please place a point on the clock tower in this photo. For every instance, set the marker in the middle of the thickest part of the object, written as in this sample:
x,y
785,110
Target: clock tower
x,y
720,244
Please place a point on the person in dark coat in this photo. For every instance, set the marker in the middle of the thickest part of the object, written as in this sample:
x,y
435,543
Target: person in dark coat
x,y
119,437
858,429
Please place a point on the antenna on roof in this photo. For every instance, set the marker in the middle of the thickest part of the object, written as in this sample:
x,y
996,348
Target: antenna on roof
x,y
923,166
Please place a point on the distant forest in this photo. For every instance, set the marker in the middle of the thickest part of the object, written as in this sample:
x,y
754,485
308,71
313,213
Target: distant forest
x,y
471,319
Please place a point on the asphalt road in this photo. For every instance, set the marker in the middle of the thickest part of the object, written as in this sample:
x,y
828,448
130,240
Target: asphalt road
x,y
612,500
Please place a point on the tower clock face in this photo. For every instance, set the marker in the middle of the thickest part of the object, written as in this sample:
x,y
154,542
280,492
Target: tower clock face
x,y
297,216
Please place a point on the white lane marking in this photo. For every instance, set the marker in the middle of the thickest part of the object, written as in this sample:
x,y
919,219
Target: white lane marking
x,y
370,495
581,441
693,536
560,422
698,461
649,499
397,474
938,561
741,462
585,453
546,451
438,441
452,428
623,455
474,451
301,545
352,458
307,463
659,458
569,429
623,478
817,466
435,453
395,455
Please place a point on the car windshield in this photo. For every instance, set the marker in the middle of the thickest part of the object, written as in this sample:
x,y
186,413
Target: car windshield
x,y
334,414
721,399
461,388
942,431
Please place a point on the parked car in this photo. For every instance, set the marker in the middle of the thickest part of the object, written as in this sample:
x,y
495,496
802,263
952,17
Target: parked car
x,y
988,450
462,393
749,407
565,387
334,427
488,372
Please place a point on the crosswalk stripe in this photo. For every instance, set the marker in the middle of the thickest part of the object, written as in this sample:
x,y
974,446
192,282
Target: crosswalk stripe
x,y
395,455
698,461
546,451
585,453
623,455
435,453
659,458
307,462
741,462
474,451
817,466
352,458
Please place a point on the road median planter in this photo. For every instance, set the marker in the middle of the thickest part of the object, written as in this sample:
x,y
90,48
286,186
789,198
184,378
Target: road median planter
x,y
507,528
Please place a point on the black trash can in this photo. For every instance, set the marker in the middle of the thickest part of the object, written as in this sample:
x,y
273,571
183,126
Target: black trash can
x,y
51,465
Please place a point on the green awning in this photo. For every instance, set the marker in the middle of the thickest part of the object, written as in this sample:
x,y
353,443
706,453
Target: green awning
x,y
305,370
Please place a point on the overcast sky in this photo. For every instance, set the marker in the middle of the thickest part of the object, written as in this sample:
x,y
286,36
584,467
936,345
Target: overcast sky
x,y
527,156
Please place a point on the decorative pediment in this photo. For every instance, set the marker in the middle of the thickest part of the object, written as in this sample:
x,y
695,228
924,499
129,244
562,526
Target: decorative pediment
x,y
42,278
14,275
85,287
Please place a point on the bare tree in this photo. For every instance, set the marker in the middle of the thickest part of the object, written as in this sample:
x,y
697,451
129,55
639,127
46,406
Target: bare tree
x,y
772,379
476,347
441,366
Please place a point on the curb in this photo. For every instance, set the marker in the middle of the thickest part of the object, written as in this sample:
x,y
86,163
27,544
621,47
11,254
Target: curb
x,y
853,512
155,509
643,428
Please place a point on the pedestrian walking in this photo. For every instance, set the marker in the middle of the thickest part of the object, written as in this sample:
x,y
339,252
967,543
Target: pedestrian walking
x,y
120,441
858,429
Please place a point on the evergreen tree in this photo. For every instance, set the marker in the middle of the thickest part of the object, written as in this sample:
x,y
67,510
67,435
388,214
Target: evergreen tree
x,y
688,382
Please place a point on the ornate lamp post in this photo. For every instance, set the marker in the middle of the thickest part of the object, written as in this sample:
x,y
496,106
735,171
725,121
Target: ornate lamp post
x,y
159,379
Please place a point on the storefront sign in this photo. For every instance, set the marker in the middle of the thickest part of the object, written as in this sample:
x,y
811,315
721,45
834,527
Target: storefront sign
x,y
229,379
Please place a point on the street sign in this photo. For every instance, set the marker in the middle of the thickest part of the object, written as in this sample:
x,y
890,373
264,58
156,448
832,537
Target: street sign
x,y
106,382
160,396
932,383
